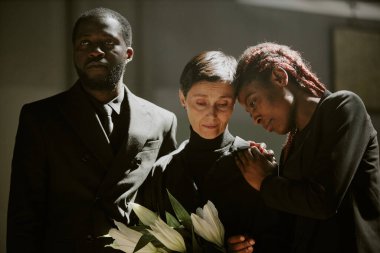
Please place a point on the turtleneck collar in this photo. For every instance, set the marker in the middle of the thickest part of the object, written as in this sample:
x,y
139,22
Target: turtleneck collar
x,y
197,142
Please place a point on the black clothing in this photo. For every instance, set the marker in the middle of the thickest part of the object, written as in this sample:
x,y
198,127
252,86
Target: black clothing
x,y
67,185
331,180
201,170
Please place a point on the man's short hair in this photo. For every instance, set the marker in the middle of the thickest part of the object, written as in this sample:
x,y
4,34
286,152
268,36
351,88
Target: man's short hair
x,y
104,12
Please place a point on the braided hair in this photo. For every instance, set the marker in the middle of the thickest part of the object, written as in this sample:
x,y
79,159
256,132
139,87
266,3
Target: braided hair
x,y
257,63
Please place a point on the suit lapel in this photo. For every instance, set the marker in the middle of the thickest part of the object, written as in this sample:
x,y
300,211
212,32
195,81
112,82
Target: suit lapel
x,y
79,112
140,124
139,129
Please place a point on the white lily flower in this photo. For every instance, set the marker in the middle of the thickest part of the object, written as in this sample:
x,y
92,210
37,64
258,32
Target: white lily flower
x,y
207,224
146,216
168,236
125,239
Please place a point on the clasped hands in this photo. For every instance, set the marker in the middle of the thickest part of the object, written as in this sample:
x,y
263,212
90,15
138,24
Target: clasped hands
x,y
255,163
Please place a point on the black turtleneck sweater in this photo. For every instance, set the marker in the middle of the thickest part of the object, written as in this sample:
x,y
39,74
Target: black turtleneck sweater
x,y
200,154
201,170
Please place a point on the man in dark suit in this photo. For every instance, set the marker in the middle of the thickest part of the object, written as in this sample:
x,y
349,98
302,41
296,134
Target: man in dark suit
x,y
74,170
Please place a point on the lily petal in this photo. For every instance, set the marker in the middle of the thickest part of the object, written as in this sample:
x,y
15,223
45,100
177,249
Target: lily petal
x,y
207,232
149,248
207,224
146,216
168,236
211,216
131,234
125,239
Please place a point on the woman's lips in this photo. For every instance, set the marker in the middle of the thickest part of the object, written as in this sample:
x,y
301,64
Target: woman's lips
x,y
210,126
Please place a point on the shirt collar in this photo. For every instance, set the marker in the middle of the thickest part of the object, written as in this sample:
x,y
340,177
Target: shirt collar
x,y
115,103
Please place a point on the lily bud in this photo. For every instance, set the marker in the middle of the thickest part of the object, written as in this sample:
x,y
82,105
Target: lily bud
x,y
207,224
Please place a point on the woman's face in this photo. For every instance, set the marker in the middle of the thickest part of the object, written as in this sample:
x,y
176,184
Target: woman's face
x,y
268,104
209,106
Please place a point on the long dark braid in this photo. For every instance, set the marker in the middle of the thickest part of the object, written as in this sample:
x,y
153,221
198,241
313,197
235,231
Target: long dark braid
x,y
258,61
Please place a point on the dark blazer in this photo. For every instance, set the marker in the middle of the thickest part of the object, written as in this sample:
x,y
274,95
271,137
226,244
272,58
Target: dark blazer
x,y
331,180
67,186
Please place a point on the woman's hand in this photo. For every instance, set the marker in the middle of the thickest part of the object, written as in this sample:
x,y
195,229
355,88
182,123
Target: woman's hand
x,y
262,148
255,164
240,243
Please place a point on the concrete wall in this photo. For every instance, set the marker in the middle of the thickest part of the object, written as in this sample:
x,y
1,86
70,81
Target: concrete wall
x,y
35,54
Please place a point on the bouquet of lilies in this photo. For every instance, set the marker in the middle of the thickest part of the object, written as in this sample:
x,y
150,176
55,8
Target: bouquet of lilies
x,y
200,232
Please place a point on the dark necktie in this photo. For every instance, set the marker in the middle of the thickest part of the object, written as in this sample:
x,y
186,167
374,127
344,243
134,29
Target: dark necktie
x,y
107,122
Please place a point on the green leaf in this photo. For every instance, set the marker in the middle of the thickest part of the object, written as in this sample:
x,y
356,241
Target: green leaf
x,y
171,220
194,241
144,240
182,215
139,228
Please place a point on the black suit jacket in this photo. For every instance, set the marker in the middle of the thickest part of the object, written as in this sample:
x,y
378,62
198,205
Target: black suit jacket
x,y
331,180
67,186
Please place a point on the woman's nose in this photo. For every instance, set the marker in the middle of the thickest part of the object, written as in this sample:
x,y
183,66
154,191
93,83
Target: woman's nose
x,y
256,119
212,111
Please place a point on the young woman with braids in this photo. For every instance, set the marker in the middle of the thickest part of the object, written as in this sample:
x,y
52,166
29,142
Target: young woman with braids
x,y
329,177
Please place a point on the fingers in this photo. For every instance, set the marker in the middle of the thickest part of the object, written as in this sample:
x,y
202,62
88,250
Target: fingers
x,y
235,239
255,152
244,155
263,145
244,159
270,155
249,163
270,151
257,145
240,243
245,250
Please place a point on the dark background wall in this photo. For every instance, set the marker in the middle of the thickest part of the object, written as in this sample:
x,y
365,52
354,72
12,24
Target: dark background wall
x,y
36,55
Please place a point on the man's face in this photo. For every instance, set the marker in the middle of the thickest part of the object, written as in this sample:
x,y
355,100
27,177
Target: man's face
x,y
100,53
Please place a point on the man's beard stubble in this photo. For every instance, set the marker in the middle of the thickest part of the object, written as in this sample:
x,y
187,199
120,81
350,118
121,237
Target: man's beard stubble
x,y
109,82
